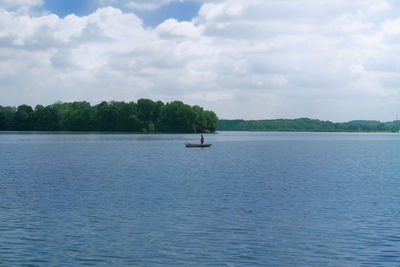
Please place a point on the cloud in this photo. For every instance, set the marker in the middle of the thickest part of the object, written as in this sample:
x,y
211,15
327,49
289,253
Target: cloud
x,y
146,4
137,4
171,28
14,3
244,59
20,6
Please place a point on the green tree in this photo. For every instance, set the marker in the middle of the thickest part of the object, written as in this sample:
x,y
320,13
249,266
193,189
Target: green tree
x,y
45,118
149,112
118,116
212,121
79,117
2,119
178,117
145,116
24,118
201,120
7,120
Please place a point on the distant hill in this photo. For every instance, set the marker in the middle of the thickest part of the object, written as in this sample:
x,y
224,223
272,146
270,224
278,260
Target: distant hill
x,y
364,122
308,125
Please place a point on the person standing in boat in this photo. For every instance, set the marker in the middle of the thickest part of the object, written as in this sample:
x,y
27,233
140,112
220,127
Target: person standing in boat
x,y
202,140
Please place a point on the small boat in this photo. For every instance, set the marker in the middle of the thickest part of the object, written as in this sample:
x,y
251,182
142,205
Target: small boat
x,y
188,144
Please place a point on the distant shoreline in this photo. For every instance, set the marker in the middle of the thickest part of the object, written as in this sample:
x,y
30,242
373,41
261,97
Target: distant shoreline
x,y
178,133
99,132
305,131
307,125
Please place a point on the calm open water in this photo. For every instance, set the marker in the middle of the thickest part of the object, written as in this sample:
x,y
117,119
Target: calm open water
x,y
252,199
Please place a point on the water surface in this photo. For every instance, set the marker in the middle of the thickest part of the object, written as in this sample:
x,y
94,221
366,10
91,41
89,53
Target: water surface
x,y
252,199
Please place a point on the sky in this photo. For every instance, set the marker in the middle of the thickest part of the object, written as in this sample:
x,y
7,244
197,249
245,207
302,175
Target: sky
x,y
255,59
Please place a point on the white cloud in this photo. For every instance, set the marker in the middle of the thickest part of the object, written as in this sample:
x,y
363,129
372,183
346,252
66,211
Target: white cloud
x,y
138,4
147,4
244,59
213,11
20,6
13,3
172,28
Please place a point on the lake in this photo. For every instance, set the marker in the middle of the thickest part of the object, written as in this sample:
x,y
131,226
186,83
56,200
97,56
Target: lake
x,y
251,199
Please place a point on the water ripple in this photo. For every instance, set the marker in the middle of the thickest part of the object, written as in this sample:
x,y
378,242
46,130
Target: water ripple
x,y
253,199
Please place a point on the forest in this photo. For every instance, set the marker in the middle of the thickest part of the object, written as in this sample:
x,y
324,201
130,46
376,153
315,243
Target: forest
x,y
143,116
308,125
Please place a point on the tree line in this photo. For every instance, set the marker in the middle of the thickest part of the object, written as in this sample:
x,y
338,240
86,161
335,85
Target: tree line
x,y
144,116
308,125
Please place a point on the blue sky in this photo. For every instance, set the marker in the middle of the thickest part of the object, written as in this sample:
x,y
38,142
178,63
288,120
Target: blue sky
x,y
182,11
330,60
78,7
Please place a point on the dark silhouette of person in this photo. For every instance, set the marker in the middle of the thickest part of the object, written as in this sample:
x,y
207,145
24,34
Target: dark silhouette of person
x,y
202,139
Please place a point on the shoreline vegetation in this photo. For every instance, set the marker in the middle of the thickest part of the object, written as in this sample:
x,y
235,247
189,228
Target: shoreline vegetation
x,y
148,116
142,117
308,125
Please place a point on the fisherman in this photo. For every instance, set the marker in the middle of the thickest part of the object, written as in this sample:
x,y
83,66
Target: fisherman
x,y
202,139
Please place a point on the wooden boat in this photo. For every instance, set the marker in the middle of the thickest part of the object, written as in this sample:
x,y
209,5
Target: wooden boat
x,y
188,144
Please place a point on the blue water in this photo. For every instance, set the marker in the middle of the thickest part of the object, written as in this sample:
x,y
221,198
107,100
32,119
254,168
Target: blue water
x,y
252,199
